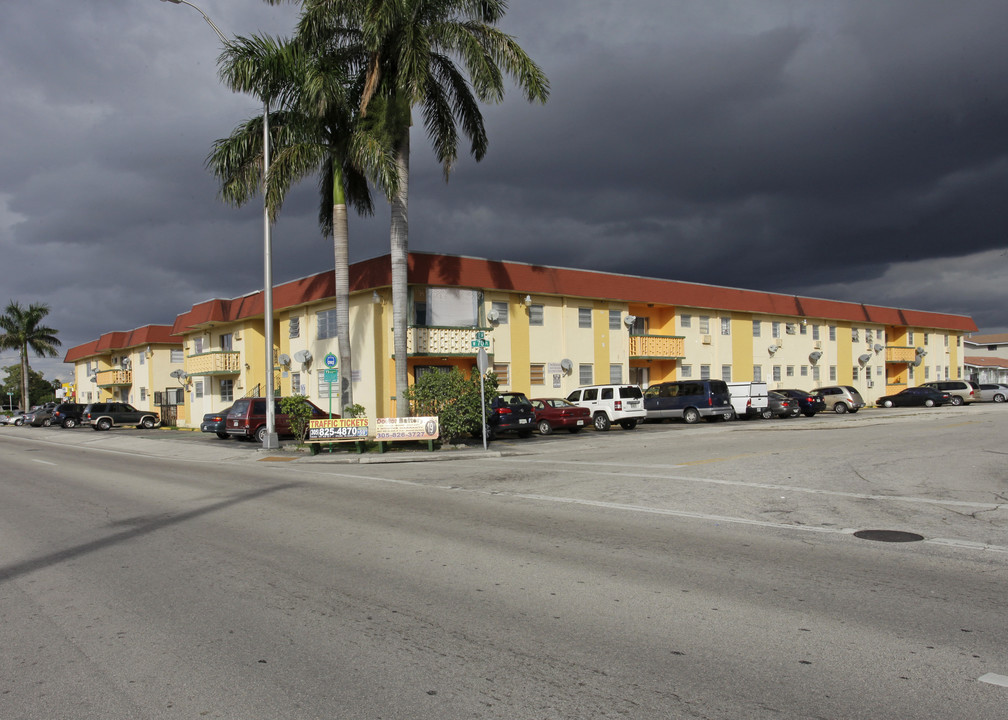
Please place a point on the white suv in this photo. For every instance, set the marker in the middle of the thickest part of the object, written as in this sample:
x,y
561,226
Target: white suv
x,y
623,404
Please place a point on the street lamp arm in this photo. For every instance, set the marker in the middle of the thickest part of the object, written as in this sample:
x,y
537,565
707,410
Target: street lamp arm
x,y
205,17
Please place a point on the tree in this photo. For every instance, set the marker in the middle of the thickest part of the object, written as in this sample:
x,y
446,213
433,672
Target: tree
x,y
455,400
408,47
22,331
314,131
38,387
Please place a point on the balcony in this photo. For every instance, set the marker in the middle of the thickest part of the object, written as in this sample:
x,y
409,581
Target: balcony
x,y
657,347
115,378
895,354
218,362
441,340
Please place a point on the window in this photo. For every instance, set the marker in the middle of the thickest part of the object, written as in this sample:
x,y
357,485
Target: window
x,y
226,342
537,374
704,324
803,371
705,372
911,369
197,345
536,315
227,390
503,373
854,335
776,373
640,326
927,373
815,373
295,384
832,332
501,308
910,337
790,370
616,374
198,387
143,356
756,325
614,319
757,373
804,327
775,329
686,370
854,374
584,317
177,356
832,373
685,321
294,327
925,338
815,332
445,307
585,374
725,326
326,322
143,392
946,341
726,373
420,370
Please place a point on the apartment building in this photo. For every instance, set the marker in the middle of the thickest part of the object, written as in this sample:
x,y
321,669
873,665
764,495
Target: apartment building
x,y
986,358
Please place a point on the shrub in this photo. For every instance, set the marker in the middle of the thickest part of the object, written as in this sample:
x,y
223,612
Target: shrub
x,y
298,412
455,400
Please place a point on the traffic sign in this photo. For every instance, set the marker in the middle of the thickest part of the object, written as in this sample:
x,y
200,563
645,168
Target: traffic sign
x,y
331,360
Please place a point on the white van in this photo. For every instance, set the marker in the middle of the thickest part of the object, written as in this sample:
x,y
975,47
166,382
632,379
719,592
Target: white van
x,y
749,399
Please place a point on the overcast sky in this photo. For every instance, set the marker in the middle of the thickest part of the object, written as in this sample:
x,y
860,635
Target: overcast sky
x,y
846,149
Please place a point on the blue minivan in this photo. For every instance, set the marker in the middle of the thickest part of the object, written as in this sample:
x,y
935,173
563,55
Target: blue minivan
x,y
689,400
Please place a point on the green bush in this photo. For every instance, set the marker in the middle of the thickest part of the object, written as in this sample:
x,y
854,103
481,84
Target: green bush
x,y
455,400
298,413
354,411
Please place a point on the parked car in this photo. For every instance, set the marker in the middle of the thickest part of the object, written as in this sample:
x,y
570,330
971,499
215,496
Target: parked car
x,y
689,400
914,397
106,415
247,418
782,406
992,392
68,414
15,417
962,391
841,398
39,417
808,403
511,412
749,399
608,404
556,413
216,422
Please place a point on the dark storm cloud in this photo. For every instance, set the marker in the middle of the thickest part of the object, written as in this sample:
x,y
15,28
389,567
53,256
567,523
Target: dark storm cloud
x,y
846,149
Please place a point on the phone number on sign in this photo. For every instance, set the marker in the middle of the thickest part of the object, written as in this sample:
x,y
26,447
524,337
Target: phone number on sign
x,y
325,433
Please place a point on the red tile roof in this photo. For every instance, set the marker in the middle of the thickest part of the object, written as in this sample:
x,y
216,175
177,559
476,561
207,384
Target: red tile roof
x,y
995,339
458,271
979,361
123,340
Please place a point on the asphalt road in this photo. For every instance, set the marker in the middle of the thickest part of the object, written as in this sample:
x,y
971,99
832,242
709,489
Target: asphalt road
x,y
671,571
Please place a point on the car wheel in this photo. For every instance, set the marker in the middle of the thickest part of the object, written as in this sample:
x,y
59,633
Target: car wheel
x,y
223,435
928,402
887,403
840,408
691,416
628,424
104,424
766,414
47,422
260,434
69,423
544,427
956,400
147,423
601,421
19,421
999,398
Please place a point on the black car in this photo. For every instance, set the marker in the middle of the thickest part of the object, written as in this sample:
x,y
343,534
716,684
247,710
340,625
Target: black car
x,y
68,414
782,406
808,403
915,397
216,422
511,412
102,416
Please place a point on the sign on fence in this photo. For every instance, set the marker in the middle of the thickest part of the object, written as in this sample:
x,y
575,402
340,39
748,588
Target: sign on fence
x,y
339,429
408,428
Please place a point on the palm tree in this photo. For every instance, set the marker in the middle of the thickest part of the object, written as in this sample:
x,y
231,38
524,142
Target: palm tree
x,y
315,131
22,330
408,48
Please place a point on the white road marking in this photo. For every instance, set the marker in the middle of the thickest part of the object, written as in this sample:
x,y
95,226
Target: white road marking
x,y
993,679
43,462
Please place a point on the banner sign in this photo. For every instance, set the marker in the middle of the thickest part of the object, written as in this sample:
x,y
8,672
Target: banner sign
x,y
408,428
339,429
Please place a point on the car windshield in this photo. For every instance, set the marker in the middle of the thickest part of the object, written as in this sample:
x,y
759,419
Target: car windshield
x,y
630,391
559,403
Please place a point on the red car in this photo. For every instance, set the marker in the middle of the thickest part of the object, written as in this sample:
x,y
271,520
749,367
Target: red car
x,y
554,413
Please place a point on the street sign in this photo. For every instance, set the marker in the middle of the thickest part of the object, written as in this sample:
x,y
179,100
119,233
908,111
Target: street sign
x,y
479,334
481,343
330,376
482,361
331,360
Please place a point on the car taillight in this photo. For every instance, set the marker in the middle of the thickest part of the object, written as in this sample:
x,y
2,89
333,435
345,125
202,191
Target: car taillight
x,y
503,411
748,403
618,405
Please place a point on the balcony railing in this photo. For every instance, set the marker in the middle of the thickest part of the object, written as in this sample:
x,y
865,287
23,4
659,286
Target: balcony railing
x,y
217,362
441,340
664,347
115,378
895,354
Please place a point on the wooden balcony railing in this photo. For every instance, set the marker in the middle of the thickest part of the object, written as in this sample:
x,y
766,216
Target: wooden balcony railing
x,y
441,340
216,362
657,346
896,354
114,378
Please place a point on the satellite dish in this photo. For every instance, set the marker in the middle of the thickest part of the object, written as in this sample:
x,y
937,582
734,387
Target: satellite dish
x,y
125,363
566,365
863,359
773,349
917,362
302,356
814,357
179,374
878,348
920,351
493,316
93,378
285,359
629,320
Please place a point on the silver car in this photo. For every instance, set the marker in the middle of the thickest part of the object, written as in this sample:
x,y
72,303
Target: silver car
x,y
841,398
962,391
992,392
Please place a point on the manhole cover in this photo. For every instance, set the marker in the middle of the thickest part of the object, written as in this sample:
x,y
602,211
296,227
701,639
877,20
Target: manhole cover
x,y
888,536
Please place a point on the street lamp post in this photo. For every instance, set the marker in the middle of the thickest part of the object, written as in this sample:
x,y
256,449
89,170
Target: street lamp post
x,y
270,441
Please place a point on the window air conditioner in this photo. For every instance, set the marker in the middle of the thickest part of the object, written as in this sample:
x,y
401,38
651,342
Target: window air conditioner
x,y
236,335
705,339
817,344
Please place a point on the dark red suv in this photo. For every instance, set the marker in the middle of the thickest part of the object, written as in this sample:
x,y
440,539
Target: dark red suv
x,y
247,418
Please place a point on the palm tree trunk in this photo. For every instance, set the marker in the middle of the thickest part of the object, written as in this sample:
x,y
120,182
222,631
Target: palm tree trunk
x,y
24,378
341,252
399,254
